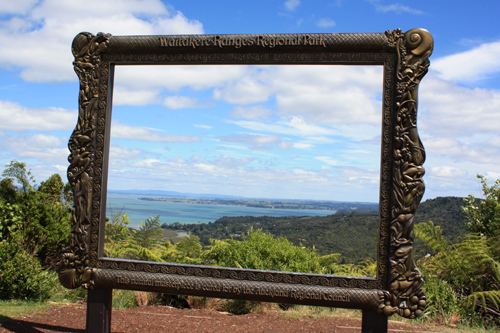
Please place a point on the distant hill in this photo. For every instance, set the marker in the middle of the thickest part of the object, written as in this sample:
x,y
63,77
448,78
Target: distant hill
x,y
445,212
353,234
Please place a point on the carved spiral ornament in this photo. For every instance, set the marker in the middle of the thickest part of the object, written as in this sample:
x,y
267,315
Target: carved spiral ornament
x,y
405,280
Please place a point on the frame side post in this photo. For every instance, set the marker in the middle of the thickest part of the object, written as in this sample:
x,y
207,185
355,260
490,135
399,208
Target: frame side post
x,y
373,322
99,307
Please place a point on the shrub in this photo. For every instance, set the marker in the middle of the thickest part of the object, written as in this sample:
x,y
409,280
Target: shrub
x,y
21,275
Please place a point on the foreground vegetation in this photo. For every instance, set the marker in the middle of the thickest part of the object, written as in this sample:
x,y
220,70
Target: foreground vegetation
x,y
462,274
354,235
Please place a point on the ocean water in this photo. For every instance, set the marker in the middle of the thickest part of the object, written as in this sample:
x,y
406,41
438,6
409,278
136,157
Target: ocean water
x,y
171,212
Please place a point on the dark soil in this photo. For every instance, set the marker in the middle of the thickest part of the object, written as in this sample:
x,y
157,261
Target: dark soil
x,y
71,318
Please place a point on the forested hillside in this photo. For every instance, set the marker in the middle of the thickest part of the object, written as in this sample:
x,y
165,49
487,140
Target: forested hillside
x,y
353,235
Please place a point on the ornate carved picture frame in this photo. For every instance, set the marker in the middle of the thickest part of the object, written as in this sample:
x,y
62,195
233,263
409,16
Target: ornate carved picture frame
x,y
398,285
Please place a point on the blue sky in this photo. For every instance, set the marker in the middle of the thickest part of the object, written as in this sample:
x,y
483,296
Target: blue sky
x,y
255,131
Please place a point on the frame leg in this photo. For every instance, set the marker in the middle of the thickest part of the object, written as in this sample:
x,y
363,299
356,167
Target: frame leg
x,y
373,322
99,307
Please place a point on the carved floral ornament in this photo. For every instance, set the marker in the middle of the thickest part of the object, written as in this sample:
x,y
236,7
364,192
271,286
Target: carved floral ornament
x,y
398,287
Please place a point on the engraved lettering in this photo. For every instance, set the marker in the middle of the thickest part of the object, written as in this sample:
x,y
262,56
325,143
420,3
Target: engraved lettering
x,y
241,41
122,280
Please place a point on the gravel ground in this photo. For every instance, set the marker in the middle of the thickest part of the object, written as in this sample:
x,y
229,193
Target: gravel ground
x,y
71,318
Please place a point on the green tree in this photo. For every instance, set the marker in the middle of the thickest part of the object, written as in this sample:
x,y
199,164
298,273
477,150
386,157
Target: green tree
x,y
53,187
35,213
21,275
484,215
34,227
8,190
17,171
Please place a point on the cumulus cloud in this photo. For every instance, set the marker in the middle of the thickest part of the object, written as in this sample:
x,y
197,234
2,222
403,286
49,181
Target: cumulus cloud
x,y
292,4
20,7
302,145
122,131
255,112
258,142
457,111
228,175
470,66
175,78
447,171
248,89
42,147
126,96
122,153
182,102
17,118
206,127
293,126
395,7
328,160
326,23
49,26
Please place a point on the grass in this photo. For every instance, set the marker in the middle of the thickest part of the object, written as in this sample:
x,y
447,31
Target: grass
x,y
15,308
313,312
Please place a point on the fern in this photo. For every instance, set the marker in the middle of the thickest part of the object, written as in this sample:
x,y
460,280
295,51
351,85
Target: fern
x,y
433,236
482,297
476,251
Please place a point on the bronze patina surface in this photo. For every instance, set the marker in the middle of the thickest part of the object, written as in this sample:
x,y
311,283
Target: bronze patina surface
x,y
405,58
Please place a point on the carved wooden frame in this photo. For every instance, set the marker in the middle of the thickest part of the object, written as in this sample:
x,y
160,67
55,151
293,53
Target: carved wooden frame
x,y
398,286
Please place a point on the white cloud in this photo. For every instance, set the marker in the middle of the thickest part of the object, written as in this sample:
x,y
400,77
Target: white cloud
x,y
494,141
256,141
447,109
228,175
255,112
126,96
292,4
471,65
249,89
330,94
39,146
121,153
447,172
396,7
460,152
40,40
293,126
207,127
491,176
182,102
301,145
174,78
122,131
17,118
328,160
17,7
326,23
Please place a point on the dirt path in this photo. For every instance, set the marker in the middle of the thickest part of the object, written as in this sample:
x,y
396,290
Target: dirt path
x,y
166,319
